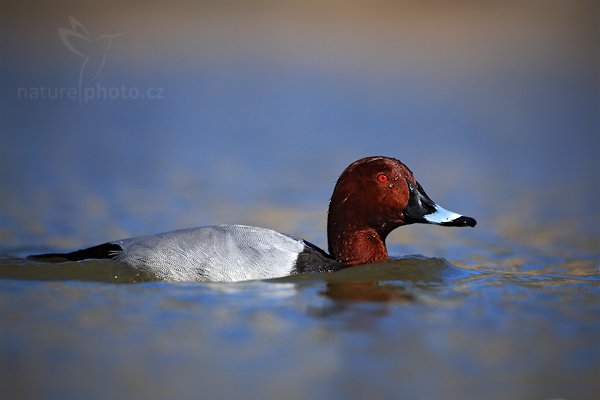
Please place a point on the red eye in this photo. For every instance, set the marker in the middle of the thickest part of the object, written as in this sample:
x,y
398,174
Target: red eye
x,y
382,178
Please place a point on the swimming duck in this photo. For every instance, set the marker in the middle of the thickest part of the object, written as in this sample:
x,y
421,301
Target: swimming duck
x,y
372,197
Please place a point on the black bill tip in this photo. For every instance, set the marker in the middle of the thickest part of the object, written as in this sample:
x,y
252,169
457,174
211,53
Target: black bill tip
x,y
461,221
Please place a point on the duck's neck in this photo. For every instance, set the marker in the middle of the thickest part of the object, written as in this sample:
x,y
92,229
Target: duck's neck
x,y
353,245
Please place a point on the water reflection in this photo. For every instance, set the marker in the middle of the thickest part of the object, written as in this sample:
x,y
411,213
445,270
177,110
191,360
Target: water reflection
x,y
367,291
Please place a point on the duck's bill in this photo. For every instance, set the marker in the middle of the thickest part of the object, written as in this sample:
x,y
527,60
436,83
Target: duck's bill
x,y
421,209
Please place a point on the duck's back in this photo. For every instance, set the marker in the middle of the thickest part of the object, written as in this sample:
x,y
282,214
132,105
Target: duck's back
x,y
222,253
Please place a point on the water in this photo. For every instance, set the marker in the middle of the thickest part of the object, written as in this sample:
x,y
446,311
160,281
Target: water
x,y
417,326
495,111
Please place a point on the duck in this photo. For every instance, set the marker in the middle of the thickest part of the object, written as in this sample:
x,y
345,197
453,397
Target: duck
x,y
372,197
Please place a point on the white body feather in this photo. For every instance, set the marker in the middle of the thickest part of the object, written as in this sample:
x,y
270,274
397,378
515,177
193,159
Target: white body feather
x,y
220,253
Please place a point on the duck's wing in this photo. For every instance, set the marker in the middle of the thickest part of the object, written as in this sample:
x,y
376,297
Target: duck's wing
x,y
217,253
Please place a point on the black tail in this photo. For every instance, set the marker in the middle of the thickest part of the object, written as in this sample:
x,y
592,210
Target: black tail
x,y
105,250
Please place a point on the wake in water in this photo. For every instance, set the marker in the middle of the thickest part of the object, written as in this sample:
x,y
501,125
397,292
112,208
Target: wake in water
x,y
88,270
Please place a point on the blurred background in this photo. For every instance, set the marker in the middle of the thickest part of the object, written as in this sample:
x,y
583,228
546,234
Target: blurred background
x,y
246,112
124,118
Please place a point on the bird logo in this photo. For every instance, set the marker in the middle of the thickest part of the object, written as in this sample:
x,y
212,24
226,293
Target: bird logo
x,y
93,51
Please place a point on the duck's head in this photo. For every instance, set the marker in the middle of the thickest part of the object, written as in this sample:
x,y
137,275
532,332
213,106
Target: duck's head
x,y
372,197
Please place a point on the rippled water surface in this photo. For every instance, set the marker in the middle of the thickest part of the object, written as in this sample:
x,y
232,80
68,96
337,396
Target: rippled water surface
x,y
494,109
420,326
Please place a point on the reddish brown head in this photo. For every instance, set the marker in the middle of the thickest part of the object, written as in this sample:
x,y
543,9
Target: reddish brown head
x,y
372,197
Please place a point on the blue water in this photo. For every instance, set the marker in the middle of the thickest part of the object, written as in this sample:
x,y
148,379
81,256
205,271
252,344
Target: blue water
x,y
426,331
261,109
